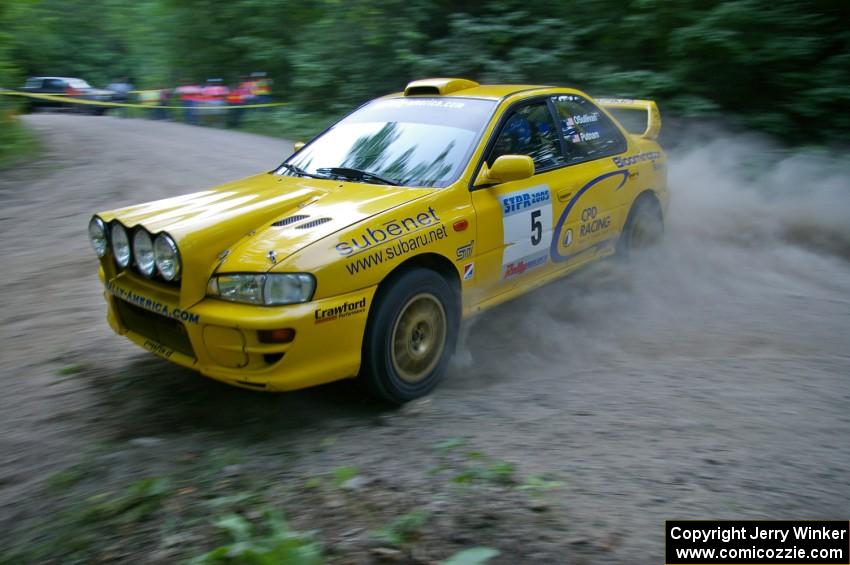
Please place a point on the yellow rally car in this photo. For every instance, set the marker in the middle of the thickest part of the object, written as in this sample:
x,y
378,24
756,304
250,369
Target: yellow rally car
x,y
361,253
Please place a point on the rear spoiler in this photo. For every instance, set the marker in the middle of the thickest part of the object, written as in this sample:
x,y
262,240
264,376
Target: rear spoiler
x,y
640,117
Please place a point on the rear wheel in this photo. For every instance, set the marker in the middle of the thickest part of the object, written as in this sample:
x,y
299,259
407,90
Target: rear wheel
x,y
644,227
411,336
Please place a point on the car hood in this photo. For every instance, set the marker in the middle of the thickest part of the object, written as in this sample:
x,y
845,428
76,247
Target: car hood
x,y
254,223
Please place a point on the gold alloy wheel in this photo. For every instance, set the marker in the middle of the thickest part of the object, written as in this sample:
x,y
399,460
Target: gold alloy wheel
x,y
419,337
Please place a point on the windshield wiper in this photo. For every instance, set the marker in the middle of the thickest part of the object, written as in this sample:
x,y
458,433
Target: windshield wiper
x,y
301,172
355,174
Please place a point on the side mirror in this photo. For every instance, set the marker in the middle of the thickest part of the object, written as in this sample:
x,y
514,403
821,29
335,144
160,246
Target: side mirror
x,y
505,169
297,146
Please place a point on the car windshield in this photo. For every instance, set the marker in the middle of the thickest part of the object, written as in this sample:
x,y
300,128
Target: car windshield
x,y
78,83
405,141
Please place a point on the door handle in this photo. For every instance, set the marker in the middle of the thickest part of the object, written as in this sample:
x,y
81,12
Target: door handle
x,y
564,194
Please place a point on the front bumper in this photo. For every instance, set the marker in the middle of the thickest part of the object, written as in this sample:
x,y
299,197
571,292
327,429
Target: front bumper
x,y
221,339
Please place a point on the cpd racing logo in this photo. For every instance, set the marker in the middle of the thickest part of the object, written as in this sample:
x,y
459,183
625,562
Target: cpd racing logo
x,y
591,224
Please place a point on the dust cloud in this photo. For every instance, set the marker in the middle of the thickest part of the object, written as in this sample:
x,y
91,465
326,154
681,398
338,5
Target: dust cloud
x,y
754,264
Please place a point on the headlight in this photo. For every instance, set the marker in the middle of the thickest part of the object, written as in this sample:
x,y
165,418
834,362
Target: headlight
x,y
267,289
288,288
120,245
143,252
97,236
167,257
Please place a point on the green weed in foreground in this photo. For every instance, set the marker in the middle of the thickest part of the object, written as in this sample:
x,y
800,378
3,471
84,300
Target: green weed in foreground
x,y
74,533
70,370
495,472
472,556
344,474
403,529
138,502
17,142
65,479
537,485
276,545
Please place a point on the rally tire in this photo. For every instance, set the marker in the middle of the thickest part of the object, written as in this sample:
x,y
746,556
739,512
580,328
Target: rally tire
x,y
644,227
410,336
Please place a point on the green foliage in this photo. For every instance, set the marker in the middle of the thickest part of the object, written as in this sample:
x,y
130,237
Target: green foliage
x,y
70,370
276,545
344,474
65,479
494,472
75,531
449,444
289,122
779,66
472,556
138,502
16,141
538,485
403,529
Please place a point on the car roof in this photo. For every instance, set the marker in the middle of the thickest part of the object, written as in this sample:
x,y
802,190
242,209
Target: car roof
x,y
56,78
493,91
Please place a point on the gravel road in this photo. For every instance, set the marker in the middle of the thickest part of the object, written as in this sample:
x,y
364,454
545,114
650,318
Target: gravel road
x,y
709,379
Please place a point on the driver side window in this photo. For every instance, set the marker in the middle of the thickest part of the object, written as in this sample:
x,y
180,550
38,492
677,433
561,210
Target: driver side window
x,y
530,131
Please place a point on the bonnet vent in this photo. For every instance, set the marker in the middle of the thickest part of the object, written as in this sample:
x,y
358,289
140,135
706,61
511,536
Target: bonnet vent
x,y
312,223
290,220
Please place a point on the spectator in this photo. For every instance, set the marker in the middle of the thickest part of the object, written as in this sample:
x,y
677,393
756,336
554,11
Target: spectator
x,y
190,96
121,89
239,96
262,88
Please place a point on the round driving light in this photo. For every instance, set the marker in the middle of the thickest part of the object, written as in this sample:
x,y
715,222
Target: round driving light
x,y
143,252
166,256
97,236
120,245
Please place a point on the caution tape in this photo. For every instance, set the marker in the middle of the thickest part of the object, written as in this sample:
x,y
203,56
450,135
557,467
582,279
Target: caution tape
x,y
68,100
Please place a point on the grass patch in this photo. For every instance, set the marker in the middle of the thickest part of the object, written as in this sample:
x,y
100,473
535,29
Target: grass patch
x,y
472,556
449,444
137,503
494,472
17,142
68,370
65,479
76,532
404,529
344,474
288,122
276,543
538,485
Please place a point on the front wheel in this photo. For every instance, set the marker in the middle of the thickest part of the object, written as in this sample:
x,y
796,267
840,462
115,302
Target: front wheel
x,y
411,336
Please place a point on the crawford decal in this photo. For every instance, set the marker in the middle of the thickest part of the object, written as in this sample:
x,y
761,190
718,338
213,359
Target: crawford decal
x,y
344,310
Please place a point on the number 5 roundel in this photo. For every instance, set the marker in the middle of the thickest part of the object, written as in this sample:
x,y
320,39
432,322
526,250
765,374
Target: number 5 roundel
x,y
527,223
